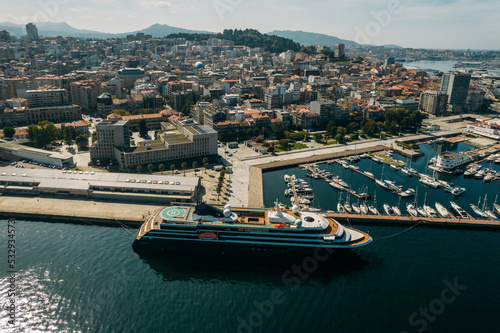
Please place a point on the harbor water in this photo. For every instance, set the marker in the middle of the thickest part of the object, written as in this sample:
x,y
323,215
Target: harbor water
x,y
85,278
326,197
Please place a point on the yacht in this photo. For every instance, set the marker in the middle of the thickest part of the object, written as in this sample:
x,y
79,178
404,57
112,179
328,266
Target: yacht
x,y
429,182
394,167
336,186
396,210
458,191
421,211
407,194
373,210
411,210
460,211
340,208
364,208
497,208
478,211
388,210
431,212
347,207
406,172
442,211
369,174
490,214
382,184
356,208
206,229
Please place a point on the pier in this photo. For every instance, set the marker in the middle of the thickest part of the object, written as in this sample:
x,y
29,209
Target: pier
x,y
347,219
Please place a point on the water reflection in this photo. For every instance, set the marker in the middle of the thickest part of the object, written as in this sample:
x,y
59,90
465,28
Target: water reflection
x,y
253,269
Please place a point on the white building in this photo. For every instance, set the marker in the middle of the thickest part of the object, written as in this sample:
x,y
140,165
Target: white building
x,y
450,161
488,129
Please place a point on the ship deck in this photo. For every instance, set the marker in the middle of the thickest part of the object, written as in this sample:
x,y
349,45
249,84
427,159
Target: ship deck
x,y
247,217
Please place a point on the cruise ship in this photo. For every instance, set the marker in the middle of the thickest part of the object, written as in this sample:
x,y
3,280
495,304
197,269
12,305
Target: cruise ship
x,y
243,231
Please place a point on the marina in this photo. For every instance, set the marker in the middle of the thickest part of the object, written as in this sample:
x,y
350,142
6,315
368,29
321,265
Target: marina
x,y
387,196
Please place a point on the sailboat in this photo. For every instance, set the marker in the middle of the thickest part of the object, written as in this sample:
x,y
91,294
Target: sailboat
x,y
442,210
388,210
340,208
364,208
411,209
477,210
431,212
372,207
396,209
355,208
347,207
496,206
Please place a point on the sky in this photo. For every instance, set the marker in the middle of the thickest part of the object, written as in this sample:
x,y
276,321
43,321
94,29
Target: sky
x,y
440,24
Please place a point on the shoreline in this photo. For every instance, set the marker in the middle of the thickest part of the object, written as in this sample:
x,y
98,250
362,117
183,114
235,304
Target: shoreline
x,y
111,214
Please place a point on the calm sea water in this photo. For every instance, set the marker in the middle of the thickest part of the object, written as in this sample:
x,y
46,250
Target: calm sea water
x,y
74,278
327,197
84,278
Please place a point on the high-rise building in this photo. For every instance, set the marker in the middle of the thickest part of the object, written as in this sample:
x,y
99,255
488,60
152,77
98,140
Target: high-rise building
x,y
456,85
433,102
339,50
31,31
475,99
47,96
327,110
104,105
112,137
274,96
84,93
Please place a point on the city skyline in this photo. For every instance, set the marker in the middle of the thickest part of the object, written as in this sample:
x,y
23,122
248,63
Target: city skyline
x,y
460,24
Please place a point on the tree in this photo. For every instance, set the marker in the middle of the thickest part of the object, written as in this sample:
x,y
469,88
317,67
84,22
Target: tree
x,y
318,137
9,132
371,128
82,141
353,126
128,166
151,168
195,165
184,166
43,133
205,163
139,169
340,138
143,128
161,167
172,167
283,144
94,136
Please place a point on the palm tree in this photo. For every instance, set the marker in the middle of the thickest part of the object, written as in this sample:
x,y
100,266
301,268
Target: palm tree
x,y
195,165
161,167
151,168
128,166
184,166
205,163
172,167
139,169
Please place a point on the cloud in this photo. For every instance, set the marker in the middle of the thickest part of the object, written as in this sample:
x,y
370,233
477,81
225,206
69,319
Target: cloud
x,y
155,4
79,9
89,17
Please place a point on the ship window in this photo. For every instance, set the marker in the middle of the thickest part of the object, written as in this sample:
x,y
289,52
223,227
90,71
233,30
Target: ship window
x,y
309,219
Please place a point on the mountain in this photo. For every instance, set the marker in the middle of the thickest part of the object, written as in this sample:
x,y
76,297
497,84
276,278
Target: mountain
x,y
311,38
162,30
54,29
